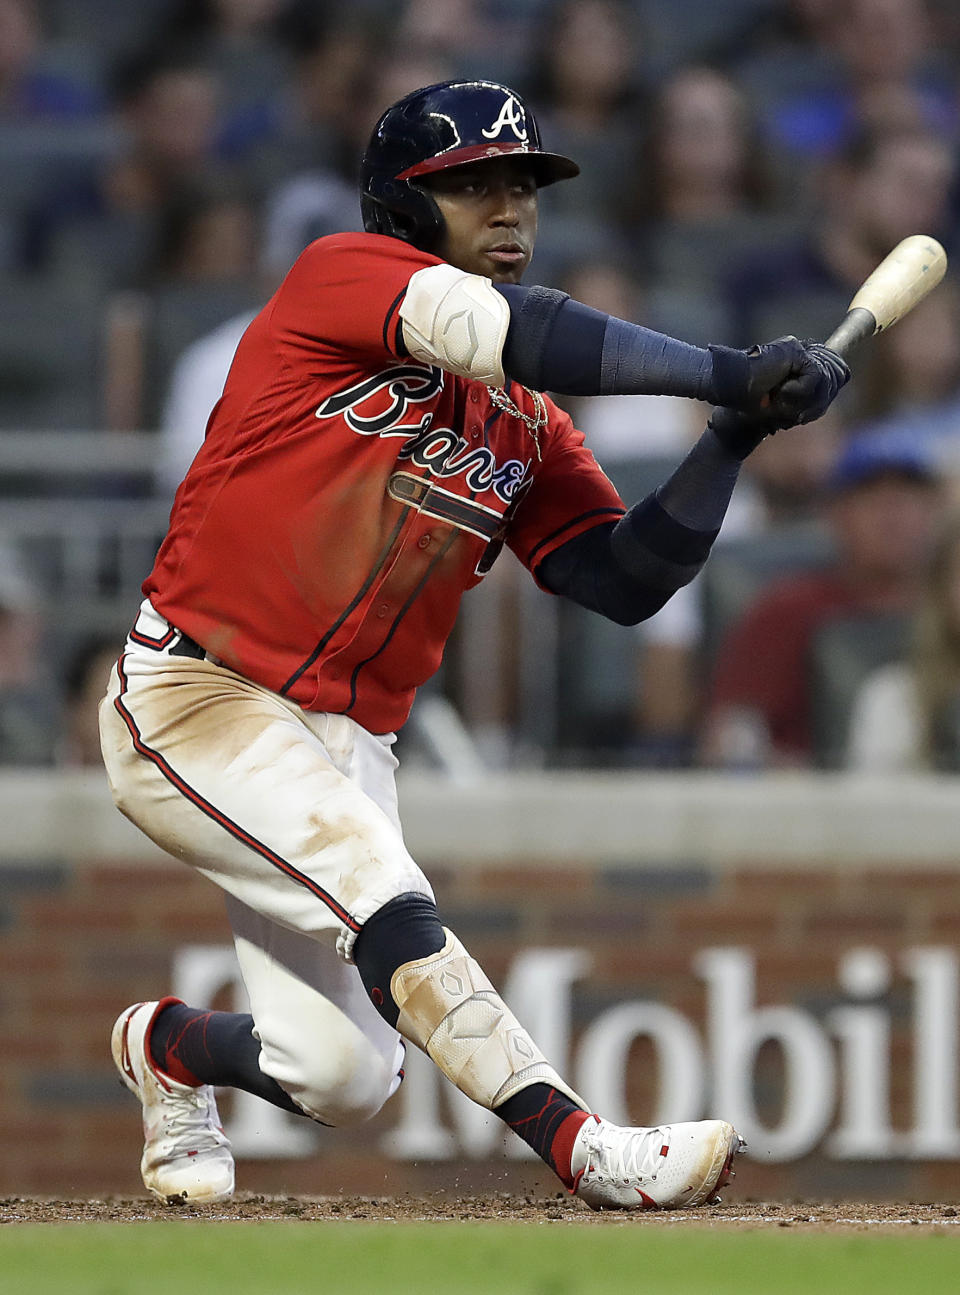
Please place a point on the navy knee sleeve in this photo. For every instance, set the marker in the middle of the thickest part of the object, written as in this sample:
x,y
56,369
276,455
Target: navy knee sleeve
x,y
405,929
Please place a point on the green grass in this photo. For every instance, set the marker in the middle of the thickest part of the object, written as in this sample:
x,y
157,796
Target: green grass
x,y
294,1258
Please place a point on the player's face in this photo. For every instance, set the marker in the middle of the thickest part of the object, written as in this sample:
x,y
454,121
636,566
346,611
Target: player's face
x,y
490,213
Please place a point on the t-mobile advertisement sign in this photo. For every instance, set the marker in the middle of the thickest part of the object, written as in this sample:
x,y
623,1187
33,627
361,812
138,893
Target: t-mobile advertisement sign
x,y
835,1067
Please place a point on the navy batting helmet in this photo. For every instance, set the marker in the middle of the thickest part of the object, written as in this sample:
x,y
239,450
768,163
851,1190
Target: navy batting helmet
x,y
440,126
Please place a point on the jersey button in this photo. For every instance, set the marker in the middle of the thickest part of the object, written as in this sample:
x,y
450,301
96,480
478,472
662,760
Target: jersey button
x,y
382,611
474,396
424,541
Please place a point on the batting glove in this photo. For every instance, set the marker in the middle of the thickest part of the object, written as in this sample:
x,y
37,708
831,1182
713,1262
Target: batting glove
x,y
807,395
812,386
744,380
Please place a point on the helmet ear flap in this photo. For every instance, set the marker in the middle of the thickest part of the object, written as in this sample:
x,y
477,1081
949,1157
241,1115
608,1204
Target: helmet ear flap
x,y
429,226
404,211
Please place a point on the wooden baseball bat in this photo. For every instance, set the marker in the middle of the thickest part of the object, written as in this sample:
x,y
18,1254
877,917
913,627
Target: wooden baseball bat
x,y
901,280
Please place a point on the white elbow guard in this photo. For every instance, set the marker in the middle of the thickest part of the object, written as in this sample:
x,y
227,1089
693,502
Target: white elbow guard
x,y
456,320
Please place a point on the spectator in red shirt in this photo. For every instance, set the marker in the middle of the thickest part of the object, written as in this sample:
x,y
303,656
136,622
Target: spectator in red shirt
x,y
883,507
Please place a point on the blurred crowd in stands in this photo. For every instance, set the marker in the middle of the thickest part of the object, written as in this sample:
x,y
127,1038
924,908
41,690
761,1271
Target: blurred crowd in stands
x,y
744,165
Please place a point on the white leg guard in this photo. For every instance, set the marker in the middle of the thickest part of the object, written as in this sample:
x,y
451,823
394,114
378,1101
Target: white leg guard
x,y
449,1008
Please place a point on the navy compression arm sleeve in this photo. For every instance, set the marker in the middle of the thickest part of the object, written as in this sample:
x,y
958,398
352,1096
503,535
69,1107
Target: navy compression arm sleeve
x,y
557,344
627,570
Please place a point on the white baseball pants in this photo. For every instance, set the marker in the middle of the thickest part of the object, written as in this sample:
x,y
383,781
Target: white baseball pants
x,y
294,815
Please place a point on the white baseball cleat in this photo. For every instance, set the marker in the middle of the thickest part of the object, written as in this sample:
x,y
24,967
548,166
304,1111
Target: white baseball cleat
x,y
186,1155
669,1167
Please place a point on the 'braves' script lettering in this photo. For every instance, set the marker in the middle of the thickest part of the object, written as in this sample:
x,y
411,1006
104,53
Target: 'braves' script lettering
x,y
439,449
407,384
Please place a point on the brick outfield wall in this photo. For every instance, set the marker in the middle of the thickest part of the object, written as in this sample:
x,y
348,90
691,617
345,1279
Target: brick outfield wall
x,y
80,941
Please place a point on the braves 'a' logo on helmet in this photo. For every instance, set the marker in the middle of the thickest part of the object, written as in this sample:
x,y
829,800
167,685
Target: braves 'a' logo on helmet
x,y
513,115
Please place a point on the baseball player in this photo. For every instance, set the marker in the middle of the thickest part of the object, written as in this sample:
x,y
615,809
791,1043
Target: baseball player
x,y
380,437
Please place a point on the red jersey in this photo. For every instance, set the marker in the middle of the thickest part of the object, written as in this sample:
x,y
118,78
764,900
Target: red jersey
x,y
345,496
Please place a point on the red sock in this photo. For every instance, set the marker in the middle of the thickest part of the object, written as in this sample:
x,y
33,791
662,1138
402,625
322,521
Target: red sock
x,y
548,1121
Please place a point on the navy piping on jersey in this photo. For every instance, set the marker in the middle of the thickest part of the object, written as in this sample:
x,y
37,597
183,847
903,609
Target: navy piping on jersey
x,y
353,603
221,819
594,512
397,619
157,644
397,348
488,423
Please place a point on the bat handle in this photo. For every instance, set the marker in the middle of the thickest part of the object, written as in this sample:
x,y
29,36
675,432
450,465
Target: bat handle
x,y
853,328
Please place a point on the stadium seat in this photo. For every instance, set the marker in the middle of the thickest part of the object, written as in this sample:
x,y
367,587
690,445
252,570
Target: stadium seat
x,y
114,26
696,317
598,661
844,652
689,31
598,669
36,155
696,255
50,356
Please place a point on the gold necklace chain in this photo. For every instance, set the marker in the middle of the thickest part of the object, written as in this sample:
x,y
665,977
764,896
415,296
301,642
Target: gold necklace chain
x,y
502,401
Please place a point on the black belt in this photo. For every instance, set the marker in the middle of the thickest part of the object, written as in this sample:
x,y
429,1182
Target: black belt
x,y
186,646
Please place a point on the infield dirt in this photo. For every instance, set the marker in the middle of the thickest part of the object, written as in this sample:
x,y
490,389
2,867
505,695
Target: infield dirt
x,y
501,1206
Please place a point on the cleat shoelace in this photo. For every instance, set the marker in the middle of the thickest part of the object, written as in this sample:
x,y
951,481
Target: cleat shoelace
x,y
188,1116
625,1159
